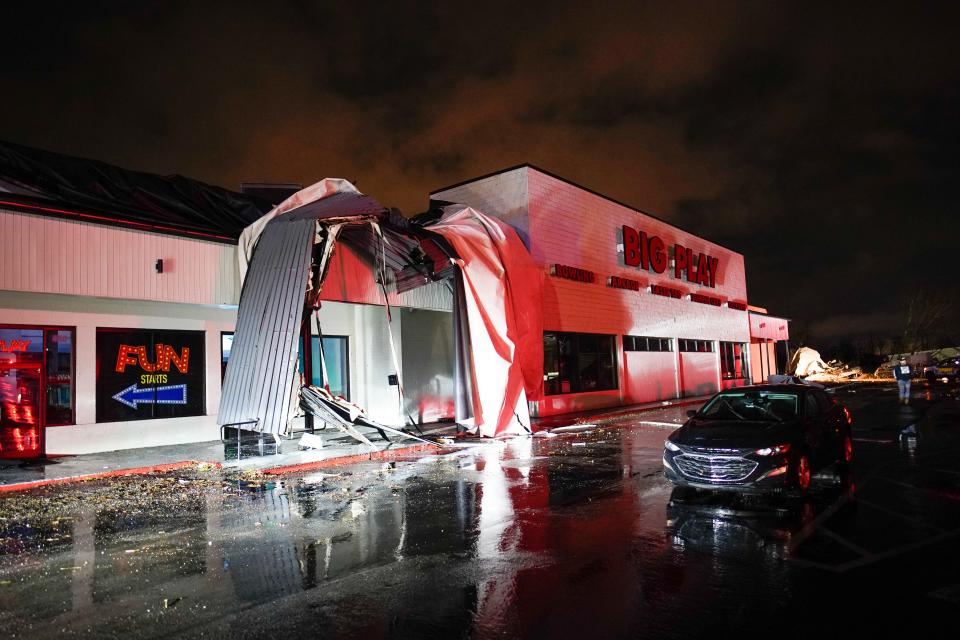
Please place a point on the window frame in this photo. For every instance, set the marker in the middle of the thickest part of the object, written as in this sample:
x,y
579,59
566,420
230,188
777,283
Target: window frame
x,y
729,373
318,367
631,343
576,384
696,345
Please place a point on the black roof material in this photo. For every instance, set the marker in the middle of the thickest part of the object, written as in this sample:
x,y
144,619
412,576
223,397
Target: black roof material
x,y
58,185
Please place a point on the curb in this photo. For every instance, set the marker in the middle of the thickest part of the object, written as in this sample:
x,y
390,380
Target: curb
x,y
383,454
113,473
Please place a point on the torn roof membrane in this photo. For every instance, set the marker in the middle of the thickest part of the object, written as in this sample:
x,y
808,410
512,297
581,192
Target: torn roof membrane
x,y
500,292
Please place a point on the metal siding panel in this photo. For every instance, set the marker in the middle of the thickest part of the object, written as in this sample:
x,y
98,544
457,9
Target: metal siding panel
x,y
259,381
265,329
277,324
285,322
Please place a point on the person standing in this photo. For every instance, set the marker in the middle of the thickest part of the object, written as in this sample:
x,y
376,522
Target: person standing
x,y
903,373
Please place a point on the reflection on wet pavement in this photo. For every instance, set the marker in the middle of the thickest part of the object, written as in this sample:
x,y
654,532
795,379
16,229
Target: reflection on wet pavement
x,y
573,535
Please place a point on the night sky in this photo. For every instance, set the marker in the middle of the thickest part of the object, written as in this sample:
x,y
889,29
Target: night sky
x,y
821,141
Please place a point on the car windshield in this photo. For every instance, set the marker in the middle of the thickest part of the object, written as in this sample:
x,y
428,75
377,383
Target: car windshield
x,y
752,406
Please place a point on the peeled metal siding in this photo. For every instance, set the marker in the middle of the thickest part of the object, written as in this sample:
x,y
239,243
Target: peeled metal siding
x,y
264,354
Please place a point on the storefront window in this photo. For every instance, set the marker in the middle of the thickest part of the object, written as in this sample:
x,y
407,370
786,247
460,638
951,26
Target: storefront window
x,y
144,374
578,362
59,345
226,343
644,343
733,360
696,346
336,358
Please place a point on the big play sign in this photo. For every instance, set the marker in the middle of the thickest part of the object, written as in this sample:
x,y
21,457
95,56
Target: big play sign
x,y
651,253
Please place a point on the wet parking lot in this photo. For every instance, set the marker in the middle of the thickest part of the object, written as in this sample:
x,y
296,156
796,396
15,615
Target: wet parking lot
x,y
576,535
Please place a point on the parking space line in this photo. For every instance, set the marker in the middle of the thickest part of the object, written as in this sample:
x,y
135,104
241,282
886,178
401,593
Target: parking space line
x,y
903,516
886,555
808,529
860,551
813,564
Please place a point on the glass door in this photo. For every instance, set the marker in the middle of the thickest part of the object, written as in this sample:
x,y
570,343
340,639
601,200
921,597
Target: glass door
x,y
21,417
36,386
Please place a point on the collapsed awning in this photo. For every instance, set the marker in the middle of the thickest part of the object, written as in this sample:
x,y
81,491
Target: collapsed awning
x,y
285,255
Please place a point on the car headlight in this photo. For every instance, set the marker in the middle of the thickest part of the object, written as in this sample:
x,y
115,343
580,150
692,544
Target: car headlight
x,y
778,450
669,446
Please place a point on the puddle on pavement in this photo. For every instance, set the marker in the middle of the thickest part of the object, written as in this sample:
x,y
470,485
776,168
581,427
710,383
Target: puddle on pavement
x,y
492,539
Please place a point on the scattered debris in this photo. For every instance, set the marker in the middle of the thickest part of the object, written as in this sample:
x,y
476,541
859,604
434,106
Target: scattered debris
x,y
346,416
545,434
573,427
311,441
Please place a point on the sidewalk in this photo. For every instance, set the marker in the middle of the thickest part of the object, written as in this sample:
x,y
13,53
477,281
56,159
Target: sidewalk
x,y
338,449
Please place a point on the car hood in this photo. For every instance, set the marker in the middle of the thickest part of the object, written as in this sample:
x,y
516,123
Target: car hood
x,y
734,433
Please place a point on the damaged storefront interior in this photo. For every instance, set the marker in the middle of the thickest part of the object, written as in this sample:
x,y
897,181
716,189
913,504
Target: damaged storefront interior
x,y
457,290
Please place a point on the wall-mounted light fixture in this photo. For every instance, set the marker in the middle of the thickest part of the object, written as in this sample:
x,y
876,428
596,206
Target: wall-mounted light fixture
x,y
159,265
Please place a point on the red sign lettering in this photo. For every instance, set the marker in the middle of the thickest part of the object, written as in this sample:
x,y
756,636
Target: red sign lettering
x,y
14,345
165,356
658,255
646,252
668,292
623,283
631,247
702,299
573,273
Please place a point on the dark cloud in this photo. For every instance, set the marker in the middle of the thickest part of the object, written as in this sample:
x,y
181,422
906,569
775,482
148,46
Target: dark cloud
x,y
821,140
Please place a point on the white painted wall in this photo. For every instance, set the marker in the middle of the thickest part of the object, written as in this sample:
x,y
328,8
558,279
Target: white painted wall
x,y
50,255
369,355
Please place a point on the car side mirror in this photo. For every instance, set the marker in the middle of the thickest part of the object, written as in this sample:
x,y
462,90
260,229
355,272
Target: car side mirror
x,y
691,413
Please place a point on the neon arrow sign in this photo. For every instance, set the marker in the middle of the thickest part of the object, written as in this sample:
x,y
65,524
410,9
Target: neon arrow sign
x,y
170,394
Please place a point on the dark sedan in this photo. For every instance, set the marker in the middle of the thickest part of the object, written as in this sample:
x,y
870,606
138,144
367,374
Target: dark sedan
x,y
760,439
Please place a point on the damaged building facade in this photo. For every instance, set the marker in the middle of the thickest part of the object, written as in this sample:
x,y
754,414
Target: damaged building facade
x,y
117,319
634,309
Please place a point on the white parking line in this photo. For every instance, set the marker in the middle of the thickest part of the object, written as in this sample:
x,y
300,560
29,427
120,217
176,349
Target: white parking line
x,y
854,564
860,551
902,516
